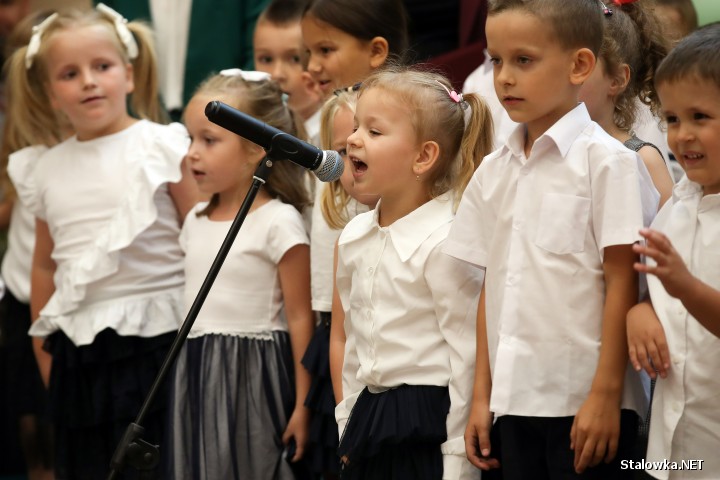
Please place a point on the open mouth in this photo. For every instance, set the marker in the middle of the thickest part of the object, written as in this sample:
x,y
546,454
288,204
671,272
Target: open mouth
x,y
198,173
693,156
358,165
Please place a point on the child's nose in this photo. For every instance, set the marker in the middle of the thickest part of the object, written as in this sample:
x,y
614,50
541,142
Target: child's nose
x,y
88,78
313,65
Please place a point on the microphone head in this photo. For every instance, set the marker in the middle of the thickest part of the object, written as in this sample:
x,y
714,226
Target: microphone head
x,y
331,167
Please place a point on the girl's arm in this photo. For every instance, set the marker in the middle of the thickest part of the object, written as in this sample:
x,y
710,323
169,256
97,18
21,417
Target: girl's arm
x,y
455,287
6,207
647,341
700,299
337,337
42,287
658,170
184,193
294,271
477,434
596,428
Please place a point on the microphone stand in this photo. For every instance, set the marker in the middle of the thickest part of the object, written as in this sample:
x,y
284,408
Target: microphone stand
x,y
132,449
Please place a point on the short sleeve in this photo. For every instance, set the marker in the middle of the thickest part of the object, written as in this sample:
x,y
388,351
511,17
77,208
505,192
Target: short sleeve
x,y
287,229
469,239
22,171
617,206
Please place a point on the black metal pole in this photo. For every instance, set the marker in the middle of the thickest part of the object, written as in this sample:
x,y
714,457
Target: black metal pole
x,y
132,450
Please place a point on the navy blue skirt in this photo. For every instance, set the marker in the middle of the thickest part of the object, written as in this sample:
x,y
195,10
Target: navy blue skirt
x,y
96,391
320,400
396,434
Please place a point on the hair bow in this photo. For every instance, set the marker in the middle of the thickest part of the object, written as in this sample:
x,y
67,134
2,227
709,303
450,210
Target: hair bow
x,y
248,76
34,45
120,22
623,2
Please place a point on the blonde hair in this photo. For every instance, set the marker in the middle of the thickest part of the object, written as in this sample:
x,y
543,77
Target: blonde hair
x,y
31,105
438,117
334,199
17,132
262,100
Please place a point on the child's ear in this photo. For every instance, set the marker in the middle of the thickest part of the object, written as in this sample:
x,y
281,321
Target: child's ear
x,y
129,76
620,81
583,64
379,51
428,155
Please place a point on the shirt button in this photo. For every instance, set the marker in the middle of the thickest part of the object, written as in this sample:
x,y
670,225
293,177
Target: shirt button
x,y
681,311
677,406
371,270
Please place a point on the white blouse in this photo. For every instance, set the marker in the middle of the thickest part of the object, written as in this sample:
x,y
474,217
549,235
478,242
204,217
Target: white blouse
x,y
685,422
409,315
115,230
246,298
539,225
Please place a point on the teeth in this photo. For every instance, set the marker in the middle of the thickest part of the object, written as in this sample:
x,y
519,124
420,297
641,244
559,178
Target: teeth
x,y
693,156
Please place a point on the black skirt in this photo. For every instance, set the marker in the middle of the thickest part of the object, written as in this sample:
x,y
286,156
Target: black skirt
x,y
24,392
96,391
323,441
396,434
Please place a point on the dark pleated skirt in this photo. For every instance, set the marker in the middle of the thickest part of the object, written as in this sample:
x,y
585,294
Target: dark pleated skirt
x,y
323,444
231,398
396,434
96,391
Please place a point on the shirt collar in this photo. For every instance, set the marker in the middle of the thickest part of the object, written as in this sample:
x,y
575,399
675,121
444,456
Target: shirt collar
x,y
408,232
563,133
685,188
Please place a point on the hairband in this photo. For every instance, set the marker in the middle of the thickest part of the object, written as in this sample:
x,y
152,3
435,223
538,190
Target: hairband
x,y
119,22
248,76
456,97
352,88
34,44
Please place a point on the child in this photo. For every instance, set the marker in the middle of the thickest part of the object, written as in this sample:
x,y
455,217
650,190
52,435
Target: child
x,y
23,391
347,39
335,208
278,50
238,390
551,217
107,267
632,48
409,352
678,328
678,17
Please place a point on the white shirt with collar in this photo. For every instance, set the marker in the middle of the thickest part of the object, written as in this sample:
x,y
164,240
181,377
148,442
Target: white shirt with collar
x,y
539,225
409,315
685,422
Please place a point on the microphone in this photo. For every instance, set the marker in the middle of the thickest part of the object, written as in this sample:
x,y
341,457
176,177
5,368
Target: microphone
x,y
327,165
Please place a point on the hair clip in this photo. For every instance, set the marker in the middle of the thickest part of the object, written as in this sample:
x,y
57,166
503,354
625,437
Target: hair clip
x,y
606,10
248,76
352,88
34,45
120,22
620,3
456,97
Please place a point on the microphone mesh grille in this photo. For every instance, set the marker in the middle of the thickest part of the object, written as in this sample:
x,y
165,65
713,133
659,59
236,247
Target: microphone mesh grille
x,y
331,167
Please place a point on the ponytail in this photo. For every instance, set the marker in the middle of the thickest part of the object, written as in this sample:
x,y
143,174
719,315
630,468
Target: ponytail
x,y
477,140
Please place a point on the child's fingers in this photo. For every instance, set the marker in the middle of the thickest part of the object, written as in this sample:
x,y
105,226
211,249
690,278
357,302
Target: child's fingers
x,y
299,452
633,355
612,449
659,360
598,453
584,449
644,360
658,239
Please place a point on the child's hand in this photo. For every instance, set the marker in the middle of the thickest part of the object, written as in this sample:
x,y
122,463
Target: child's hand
x,y
595,431
646,341
477,438
670,268
297,429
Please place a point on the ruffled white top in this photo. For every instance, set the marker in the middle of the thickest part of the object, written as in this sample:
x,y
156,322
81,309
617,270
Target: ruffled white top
x,y
115,230
246,297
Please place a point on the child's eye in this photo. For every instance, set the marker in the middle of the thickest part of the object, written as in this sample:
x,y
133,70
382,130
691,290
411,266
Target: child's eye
x,y
103,66
68,75
342,152
495,61
374,132
325,50
523,60
209,140
699,116
264,59
670,119
296,59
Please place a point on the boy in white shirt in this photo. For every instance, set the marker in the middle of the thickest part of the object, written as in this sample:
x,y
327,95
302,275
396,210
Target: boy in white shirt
x,y
676,331
551,217
278,50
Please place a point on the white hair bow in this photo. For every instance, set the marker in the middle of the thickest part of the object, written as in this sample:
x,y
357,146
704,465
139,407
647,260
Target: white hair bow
x,y
34,45
120,22
248,76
